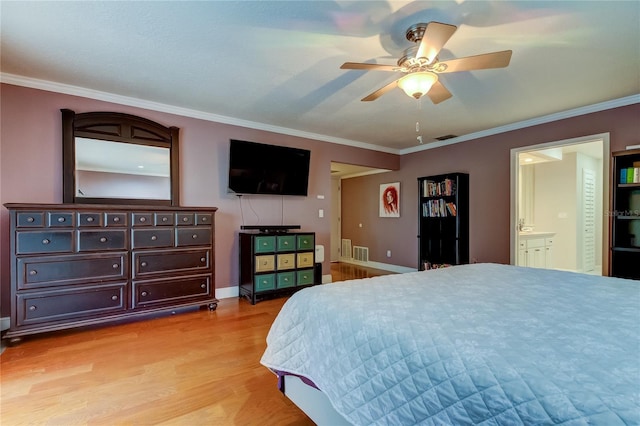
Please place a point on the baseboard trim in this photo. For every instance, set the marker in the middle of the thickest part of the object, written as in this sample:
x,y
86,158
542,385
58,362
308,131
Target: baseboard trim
x,y
5,323
379,265
227,292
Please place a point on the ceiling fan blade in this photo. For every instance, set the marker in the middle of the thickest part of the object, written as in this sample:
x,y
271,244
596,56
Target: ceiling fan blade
x,y
478,62
381,91
434,38
438,93
371,67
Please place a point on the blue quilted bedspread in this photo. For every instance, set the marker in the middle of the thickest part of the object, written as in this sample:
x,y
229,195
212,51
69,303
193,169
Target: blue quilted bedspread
x,y
475,344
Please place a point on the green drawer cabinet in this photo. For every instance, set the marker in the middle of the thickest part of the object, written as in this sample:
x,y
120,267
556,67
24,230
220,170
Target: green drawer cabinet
x,y
275,263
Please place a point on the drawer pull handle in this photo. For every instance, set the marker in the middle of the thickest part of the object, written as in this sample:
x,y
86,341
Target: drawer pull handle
x,y
153,238
103,239
143,219
144,293
61,219
89,219
194,236
116,219
116,266
202,259
204,219
30,219
32,308
185,219
143,264
164,219
46,241
33,272
114,297
203,285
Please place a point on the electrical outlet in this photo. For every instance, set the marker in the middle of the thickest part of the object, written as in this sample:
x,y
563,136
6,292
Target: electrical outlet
x,y
388,253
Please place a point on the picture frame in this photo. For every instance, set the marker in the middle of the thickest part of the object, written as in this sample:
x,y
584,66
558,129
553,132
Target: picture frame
x,y
389,200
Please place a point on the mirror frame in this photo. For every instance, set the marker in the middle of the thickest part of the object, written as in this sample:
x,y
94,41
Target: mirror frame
x,y
116,127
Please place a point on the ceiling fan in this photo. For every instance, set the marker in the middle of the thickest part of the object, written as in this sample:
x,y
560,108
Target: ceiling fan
x,y
421,65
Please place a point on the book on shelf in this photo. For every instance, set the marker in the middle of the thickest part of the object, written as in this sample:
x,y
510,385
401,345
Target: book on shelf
x,y
435,189
630,174
438,208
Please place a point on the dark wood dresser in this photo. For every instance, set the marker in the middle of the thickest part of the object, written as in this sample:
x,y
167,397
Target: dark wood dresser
x,y
74,265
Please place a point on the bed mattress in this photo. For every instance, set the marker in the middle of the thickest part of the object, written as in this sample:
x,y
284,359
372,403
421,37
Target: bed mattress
x,y
474,344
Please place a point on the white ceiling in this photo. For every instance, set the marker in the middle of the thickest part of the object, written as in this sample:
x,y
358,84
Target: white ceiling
x,y
275,65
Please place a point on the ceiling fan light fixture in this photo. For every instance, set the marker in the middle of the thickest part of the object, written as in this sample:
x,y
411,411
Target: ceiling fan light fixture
x,y
417,84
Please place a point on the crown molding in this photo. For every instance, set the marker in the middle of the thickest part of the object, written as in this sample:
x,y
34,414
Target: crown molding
x,y
186,112
602,106
67,89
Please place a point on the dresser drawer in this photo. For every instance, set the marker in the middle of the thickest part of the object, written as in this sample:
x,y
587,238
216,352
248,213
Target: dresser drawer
x,y
30,219
89,219
142,219
164,219
69,304
101,240
193,237
286,261
265,263
185,219
116,219
204,218
162,262
171,291
305,242
265,244
59,219
33,242
286,279
305,259
304,277
286,242
34,272
265,282
150,238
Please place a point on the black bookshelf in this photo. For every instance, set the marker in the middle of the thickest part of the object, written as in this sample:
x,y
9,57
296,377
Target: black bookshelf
x,y
625,216
443,224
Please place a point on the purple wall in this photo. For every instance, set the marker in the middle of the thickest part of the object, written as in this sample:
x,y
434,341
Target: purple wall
x,y
31,171
487,160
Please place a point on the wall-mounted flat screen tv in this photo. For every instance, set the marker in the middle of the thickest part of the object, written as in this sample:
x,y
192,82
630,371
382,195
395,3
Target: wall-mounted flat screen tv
x,y
257,168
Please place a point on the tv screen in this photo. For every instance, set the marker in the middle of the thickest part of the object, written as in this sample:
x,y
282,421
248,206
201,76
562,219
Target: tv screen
x,y
257,168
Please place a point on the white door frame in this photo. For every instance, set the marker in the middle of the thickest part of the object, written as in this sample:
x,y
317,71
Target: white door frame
x,y
514,214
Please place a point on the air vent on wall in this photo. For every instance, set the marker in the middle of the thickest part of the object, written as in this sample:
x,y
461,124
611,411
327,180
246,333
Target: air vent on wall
x,y
445,137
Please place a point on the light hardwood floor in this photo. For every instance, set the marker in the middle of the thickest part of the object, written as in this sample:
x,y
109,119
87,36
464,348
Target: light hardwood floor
x,y
192,368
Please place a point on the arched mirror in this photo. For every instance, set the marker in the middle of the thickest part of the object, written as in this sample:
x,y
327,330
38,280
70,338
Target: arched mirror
x,y
114,158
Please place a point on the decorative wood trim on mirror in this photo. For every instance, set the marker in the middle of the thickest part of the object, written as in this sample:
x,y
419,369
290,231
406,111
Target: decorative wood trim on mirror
x,y
116,127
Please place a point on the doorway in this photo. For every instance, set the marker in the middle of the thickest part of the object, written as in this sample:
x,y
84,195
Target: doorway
x,y
559,192
340,171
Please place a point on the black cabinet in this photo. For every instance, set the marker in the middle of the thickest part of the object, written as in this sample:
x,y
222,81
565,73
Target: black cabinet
x,y
275,263
625,215
443,224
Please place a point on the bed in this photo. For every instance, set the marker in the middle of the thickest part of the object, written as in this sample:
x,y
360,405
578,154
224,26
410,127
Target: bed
x,y
472,344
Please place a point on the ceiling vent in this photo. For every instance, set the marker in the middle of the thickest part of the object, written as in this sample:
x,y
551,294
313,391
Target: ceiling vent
x,y
445,137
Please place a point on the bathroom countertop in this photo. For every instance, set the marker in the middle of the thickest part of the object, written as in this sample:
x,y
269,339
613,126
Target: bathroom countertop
x,y
536,234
